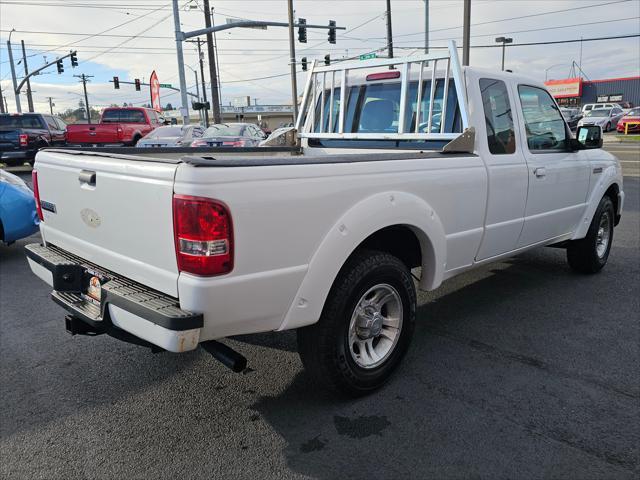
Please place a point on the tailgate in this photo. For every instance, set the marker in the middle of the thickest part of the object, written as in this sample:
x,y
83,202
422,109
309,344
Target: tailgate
x,y
123,221
101,133
9,139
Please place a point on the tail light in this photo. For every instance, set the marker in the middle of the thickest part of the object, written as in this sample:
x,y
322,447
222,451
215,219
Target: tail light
x,y
237,143
199,143
383,75
203,235
36,193
23,139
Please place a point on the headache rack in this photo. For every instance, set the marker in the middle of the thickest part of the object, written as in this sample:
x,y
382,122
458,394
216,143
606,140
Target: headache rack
x,y
324,80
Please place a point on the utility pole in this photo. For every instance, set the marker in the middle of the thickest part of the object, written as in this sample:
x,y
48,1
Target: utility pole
x,y
51,105
389,32
26,74
2,101
183,81
84,79
14,78
466,32
426,26
215,98
292,61
204,90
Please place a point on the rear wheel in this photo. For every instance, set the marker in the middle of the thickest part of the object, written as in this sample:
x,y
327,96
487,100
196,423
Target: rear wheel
x,y
366,325
591,253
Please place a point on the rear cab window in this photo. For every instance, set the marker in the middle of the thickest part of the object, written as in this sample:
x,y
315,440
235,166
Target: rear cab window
x,y
375,108
21,121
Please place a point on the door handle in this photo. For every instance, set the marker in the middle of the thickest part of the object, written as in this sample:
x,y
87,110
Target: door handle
x,y
88,177
540,172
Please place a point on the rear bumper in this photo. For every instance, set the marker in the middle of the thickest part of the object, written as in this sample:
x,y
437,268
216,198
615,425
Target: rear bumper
x,y
10,156
126,305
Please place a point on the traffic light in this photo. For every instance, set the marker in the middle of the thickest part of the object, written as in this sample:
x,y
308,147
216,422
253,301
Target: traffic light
x,y
304,64
116,83
137,82
327,59
302,31
332,31
60,66
74,59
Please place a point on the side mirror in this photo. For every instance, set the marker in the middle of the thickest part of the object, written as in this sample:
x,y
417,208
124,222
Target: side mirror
x,y
589,136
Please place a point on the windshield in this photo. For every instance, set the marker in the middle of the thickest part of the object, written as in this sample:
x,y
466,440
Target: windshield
x,y
634,112
20,121
225,130
164,132
599,112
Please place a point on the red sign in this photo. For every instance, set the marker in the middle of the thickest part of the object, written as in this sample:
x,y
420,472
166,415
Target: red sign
x,y
154,85
569,87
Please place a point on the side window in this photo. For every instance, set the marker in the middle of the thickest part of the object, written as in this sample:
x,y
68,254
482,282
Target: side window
x,y
197,132
51,123
498,116
61,124
544,124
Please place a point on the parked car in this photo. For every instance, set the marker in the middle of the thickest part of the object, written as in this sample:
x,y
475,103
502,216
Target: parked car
x,y
632,118
626,106
18,215
182,251
117,127
231,135
22,135
592,106
607,118
572,116
172,136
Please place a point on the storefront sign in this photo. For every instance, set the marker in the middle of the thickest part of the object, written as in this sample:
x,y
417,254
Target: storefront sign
x,y
569,87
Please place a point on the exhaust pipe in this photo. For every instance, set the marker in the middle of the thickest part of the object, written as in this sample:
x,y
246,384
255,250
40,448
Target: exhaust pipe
x,y
225,355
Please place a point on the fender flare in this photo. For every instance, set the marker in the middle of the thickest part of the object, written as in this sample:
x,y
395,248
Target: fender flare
x,y
362,220
609,177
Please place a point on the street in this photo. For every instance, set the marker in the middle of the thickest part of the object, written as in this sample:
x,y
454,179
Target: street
x,y
520,369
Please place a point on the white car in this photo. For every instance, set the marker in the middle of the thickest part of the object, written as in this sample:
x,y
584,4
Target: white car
x,y
605,118
592,106
175,252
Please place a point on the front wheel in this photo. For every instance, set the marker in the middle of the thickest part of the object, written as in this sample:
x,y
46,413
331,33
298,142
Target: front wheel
x,y
590,254
608,127
366,325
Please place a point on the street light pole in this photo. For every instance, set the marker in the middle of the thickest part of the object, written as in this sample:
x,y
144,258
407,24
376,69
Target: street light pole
x,y
426,26
14,78
292,61
389,30
213,73
183,81
504,41
466,32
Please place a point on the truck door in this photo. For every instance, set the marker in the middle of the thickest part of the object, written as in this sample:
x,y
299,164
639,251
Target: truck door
x,y
558,178
501,149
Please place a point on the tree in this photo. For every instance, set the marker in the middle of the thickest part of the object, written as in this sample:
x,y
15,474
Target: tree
x,y
168,106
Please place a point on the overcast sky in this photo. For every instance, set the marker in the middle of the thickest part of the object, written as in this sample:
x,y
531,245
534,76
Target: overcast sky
x,y
130,38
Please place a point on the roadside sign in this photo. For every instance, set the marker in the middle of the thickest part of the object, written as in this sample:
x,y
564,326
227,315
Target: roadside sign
x,y
368,56
236,20
166,85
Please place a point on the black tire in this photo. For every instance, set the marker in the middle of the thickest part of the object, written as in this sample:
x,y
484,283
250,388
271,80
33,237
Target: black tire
x,y
135,140
584,255
608,127
325,348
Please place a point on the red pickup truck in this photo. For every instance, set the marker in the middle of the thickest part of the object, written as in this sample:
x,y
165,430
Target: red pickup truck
x,y
118,126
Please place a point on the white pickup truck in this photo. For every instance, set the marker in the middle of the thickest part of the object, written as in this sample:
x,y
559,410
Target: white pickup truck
x,y
427,164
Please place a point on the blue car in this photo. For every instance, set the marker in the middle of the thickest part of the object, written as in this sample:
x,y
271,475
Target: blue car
x,y
18,216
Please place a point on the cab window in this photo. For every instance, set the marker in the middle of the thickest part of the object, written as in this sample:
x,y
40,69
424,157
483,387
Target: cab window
x,y
498,116
544,125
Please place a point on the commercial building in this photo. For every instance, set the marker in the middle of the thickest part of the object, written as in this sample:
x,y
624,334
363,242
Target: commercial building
x,y
578,91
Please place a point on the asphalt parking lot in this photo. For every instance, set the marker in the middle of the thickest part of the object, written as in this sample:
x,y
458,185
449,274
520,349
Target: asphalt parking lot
x,y
521,369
